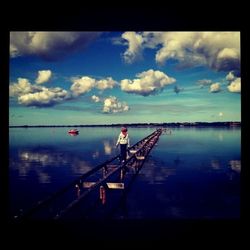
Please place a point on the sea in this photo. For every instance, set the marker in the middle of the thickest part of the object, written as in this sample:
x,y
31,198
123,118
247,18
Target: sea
x,y
191,173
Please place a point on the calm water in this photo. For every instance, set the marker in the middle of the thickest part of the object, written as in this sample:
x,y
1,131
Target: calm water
x,y
192,173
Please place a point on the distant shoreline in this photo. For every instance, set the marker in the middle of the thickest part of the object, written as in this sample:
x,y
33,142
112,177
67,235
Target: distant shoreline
x,y
171,124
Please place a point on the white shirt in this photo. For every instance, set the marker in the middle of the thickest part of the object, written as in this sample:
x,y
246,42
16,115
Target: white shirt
x,y
122,139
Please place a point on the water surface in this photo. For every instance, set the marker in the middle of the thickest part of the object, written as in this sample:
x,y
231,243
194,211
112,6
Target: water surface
x,y
190,173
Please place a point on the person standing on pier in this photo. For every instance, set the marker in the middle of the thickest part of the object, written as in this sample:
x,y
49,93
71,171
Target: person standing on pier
x,y
123,140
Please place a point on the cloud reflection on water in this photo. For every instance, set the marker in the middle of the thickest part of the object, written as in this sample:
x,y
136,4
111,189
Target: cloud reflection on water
x,y
235,165
43,161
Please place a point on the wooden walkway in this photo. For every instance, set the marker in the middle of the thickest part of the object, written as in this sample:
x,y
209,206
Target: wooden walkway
x,y
90,192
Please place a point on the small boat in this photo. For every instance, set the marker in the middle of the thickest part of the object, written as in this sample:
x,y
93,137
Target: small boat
x,y
73,131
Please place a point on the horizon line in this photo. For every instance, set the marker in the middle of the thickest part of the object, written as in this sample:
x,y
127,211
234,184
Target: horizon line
x,y
127,124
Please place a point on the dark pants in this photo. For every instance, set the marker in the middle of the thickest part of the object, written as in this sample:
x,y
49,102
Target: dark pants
x,y
123,148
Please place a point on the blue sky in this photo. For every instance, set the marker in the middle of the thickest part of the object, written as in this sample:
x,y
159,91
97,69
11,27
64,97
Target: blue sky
x,y
60,78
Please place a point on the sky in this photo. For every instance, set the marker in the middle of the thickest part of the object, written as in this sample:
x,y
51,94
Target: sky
x,y
73,78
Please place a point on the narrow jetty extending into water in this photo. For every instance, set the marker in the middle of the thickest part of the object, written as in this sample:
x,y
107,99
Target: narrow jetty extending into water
x,y
88,195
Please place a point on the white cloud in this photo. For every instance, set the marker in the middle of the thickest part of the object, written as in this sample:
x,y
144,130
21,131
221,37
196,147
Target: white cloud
x,y
217,50
23,86
43,76
178,45
235,86
148,83
49,45
113,105
134,46
227,59
230,76
46,97
103,84
85,84
215,87
82,85
34,95
228,53
95,98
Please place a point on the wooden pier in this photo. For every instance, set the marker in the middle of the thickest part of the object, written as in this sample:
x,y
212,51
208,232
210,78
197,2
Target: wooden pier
x,y
91,193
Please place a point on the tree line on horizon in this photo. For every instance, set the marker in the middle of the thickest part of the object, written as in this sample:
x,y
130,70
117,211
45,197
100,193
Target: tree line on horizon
x,y
171,124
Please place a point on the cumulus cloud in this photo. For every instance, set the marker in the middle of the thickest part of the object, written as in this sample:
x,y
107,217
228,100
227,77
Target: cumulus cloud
x,y
36,95
227,59
113,105
23,86
43,76
95,98
46,97
103,84
215,87
134,42
234,82
148,83
85,84
217,50
230,76
235,86
49,45
33,95
82,85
